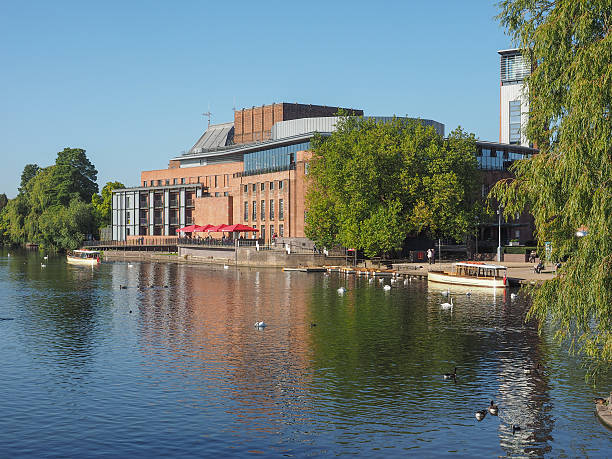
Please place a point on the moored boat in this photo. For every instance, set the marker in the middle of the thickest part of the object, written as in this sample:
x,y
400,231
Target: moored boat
x,y
83,257
477,274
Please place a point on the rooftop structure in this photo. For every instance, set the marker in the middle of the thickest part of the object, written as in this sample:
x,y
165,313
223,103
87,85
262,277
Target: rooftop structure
x,y
514,97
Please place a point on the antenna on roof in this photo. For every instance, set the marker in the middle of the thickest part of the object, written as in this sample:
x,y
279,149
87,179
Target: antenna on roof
x,y
209,115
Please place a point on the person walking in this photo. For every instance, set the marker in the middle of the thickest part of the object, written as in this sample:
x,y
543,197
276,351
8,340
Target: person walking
x,y
429,255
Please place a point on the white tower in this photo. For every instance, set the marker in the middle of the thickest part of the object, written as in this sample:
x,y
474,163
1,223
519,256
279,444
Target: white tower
x,y
514,98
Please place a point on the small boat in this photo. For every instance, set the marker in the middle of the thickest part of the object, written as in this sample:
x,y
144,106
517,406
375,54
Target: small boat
x,y
476,274
83,257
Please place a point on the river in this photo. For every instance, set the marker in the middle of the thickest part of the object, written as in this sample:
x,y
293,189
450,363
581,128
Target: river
x,y
172,365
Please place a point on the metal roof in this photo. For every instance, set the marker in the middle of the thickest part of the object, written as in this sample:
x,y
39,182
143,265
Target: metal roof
x,y
217,135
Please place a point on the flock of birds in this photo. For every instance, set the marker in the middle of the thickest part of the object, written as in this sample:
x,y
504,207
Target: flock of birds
x,y
492,409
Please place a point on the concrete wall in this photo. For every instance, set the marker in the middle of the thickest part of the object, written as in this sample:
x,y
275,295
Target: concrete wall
x,y
509,93
249,256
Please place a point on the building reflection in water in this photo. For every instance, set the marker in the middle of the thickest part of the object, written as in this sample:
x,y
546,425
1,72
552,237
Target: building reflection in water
x,y
202,325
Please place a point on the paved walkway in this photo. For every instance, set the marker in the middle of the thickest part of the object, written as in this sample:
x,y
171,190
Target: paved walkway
x,y
522,272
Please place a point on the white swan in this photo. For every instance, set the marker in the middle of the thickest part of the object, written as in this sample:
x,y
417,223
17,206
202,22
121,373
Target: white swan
x,y
447,305
261,324
225,267
42,265
513,296
445,292
46,257
341,290
130,265
387,287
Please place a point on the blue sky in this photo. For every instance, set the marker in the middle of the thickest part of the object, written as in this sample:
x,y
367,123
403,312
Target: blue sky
x,y
128,81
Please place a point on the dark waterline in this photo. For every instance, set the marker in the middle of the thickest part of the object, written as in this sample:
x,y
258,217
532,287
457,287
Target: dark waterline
x,y
92,370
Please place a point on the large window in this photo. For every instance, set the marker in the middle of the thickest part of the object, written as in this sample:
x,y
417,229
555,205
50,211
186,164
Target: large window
x,y
254,210
515,122
246,211
281,209
274,159
263,210
271,209
513,68
281,230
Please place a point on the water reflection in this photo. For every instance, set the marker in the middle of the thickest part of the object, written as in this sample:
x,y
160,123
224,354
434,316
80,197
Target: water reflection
x,y
173,362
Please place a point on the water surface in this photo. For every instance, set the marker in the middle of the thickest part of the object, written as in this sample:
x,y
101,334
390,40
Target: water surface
x,y
172,365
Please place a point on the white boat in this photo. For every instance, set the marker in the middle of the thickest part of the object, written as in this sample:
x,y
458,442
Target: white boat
x,y
476,274
83,257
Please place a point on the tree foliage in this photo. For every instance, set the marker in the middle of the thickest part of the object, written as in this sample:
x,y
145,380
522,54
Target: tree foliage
x,y
53,207
103,204
371,183
569,183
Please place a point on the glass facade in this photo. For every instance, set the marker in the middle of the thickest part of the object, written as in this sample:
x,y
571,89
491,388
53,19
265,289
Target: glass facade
x,y
272,160
513,68
515,121
497,159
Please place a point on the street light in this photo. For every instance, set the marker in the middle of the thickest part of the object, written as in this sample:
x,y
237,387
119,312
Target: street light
x,y
499,215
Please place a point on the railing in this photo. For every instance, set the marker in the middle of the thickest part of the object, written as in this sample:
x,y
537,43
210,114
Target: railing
x,y
144,241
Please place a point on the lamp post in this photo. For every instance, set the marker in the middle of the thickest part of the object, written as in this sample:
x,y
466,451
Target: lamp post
x,y
499,215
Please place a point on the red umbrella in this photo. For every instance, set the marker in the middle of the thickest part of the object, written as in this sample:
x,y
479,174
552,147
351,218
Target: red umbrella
x,y
191,229
216,229
239,228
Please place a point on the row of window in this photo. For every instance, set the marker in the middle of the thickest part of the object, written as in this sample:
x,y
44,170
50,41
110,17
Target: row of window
x,y
262,210
497,159
273,235
262,186
211,181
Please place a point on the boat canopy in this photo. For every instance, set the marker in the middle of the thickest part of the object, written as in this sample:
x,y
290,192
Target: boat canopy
x,y
481,265
86,251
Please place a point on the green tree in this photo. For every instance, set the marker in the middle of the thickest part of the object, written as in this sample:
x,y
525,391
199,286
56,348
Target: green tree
x,y
3,201
29,172
77,172
569,183
373,183
103,204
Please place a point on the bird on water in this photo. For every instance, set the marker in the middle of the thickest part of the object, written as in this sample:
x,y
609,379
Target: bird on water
x,y
480,414
452,375
493,409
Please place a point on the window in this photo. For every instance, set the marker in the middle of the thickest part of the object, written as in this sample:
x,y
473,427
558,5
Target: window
x,y
263,210
159,182
246,188
227,181
271,209
254,187
246,211
263,232
216,181
127,202
515,121
280,184
183,181
281,230
271,185
281,209
144,183
254,210
272,233
127,231
167,181
128,218
225,193
217,194
254,232
263,186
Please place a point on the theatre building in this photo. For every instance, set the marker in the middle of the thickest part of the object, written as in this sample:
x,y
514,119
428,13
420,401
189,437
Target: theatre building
x,y
253,172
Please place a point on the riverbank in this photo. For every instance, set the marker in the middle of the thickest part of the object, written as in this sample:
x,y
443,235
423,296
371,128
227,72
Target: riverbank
x,y
519,272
